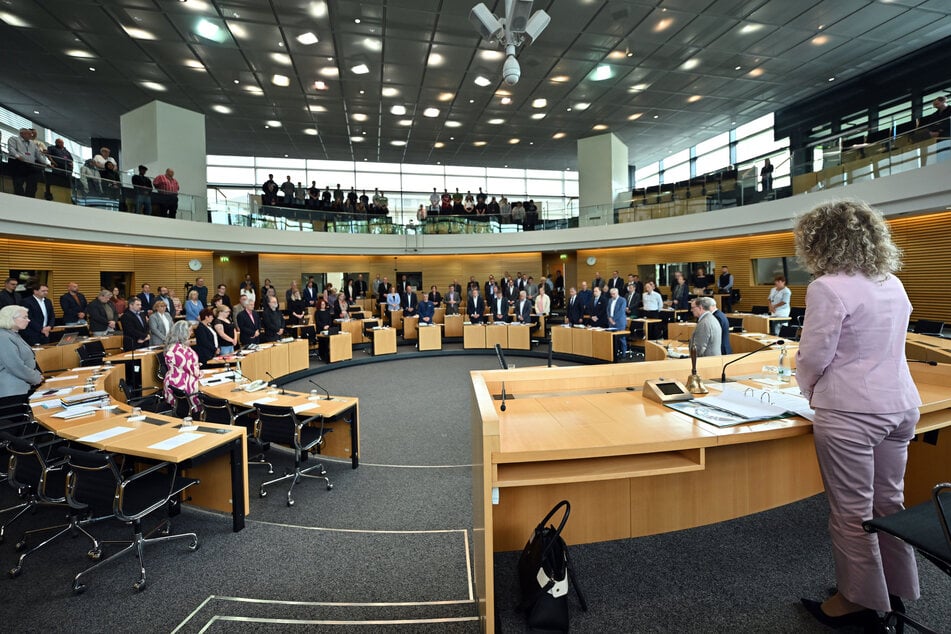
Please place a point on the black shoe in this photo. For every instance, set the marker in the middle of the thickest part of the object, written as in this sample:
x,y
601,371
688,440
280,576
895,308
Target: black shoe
x,y
868,619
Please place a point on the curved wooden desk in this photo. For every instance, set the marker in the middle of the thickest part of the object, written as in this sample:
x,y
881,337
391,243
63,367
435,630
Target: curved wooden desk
x,y
632,467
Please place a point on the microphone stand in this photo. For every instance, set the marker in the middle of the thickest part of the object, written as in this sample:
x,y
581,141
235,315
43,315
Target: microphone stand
x,y
327,397
778,342
271,376
503,397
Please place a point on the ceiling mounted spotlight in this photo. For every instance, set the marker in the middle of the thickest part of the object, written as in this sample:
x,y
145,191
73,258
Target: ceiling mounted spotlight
x,y
518,26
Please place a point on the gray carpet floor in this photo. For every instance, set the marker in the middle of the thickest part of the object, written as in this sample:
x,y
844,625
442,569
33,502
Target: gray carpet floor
x,y
389,548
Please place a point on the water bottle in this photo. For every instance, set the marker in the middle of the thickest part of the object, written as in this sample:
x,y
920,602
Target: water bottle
x,y
784,371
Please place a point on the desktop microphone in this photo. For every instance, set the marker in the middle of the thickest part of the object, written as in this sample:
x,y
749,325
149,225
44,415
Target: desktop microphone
x,y
503,397
778,342
921,361
326,398
271,376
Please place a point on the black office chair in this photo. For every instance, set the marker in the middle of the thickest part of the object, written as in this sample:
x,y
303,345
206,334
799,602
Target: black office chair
x,y
96,482
760,310
91,353
797,314
280,425
789,332
928,327
139,397
219,410
925,528
38,472
161,367
736,324
184,403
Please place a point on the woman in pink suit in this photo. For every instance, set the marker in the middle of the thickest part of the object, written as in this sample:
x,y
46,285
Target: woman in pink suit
x,y
851,366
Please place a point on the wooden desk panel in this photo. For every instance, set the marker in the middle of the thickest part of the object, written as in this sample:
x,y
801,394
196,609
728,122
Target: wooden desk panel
x,y
439,316
53,358
473,336
496,334
519,337
411,327
384,341
430,337
453,325
396,319
561,338
581,341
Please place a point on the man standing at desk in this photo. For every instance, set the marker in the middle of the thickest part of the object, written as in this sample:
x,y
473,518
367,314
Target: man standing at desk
x,y
40,311
597,310
500,307
523,308
617,316
426,312
452,300
575,308
475,307
73,304
135,328
779,297
410,302
249,325
707,336
9,295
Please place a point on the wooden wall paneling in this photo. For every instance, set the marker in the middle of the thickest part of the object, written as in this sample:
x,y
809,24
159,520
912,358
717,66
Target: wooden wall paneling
x,y
74,263
925,241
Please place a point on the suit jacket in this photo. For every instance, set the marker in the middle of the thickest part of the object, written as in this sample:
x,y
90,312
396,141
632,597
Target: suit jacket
x,y
147,300
500,308
475,306
350,292
134,328
204,343
523,311
598,282
99,314
619,283
510,293
33,334
360,288
707,336
452,309
725,347
248,325
159,325
273,321
310,294
434,297
619,315
575,309
409,302
598,308
341,306
426,309
72,306
852,352
18,371
586,297
9,299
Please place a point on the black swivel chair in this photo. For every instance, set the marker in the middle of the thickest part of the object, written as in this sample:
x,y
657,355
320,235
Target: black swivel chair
x,y
736,324
184,403
219,410
928,327
280,425
926,528
789,332
96,482
91,353
137,397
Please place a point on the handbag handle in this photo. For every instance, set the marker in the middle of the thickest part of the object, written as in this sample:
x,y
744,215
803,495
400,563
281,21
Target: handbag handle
x,y
564,519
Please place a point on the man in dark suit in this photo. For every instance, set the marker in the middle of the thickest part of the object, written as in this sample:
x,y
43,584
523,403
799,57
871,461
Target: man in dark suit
x,y
452,300
273,321
475,307
409,301
135,328
490,287
575,308
146,297
249,324
598,281
510,292
42,318
360,286
310,293
499,306
617,282
725,347
597,310
427,310
616,311
73,304
9,295
523,308
585,295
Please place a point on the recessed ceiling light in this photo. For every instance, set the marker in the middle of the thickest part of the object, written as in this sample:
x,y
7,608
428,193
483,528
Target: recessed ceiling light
x,y
436,59
92,68
538,116
138,34
307,38
194,63
317,9
431,112
738,68
756,72
506,101
356,20
195,5
819,40
281,80
439,144
472,101
635,116
582,105
750,28
389,91
12,20
514,141
398,110
405,122
222,109
558,135
616,55
254,89
329,71
560,79
832,79
356,139
656,116
153,85
599,126
694,98
77,52
496,121
478,143
482,80
372,44
310,131
445,96
690,64
491,56
360,69
663,25
281,58
273,123
398,143
638,87
358,116
319,85
602,72
314,107
206,29
238,31
453,124
539,103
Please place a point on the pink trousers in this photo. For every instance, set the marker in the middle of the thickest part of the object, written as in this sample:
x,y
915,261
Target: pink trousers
x,y
862,459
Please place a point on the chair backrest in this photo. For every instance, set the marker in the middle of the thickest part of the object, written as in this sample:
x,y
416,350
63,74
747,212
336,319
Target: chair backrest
x,y
277,424
797,314
215,410
16,415
736,323
31,467
790,332
928,327
92,480
161,366
183,402
91,353
760,310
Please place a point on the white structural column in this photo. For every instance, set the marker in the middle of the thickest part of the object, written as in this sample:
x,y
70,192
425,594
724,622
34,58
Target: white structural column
x,y
602,172
160,136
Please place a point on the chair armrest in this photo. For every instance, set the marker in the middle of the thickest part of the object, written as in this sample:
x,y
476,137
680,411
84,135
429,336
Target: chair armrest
x,y
939,507
244,412
138,475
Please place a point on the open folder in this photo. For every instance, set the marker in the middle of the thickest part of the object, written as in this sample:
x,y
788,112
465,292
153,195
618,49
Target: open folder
x,y
742,405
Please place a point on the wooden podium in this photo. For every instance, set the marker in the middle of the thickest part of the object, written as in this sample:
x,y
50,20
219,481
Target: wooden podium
x,y
430,337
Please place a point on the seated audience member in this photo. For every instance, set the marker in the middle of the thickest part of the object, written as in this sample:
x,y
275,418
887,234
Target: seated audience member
x,y
102,313
434,296
324,319
499,307
542,301
135,328
426,311
193,306
475,307
575,310
227,338
206,339
73,304
42,318
273,321
160,323
452,300
707,335
183,364
523,308
598,309
249,324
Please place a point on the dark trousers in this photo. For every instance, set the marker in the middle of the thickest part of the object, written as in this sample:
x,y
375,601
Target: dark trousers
x,y
25,177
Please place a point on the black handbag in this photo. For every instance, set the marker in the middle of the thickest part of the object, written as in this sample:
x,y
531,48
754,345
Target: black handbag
x,y
544,572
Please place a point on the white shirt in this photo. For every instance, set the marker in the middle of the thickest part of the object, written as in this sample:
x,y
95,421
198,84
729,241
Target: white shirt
x,y
652,301
776,296
26,151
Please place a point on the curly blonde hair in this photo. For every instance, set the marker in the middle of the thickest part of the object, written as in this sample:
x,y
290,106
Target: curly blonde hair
x,y
846,236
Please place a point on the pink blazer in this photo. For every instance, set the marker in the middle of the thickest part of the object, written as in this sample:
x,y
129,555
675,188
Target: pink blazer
x,y
852,354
